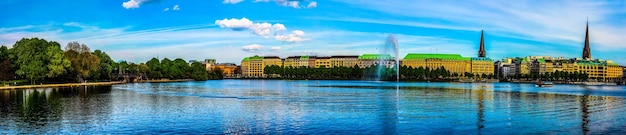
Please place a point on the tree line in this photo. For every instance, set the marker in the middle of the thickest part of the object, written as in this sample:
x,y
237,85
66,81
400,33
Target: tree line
x,y
356,72
553,76
40,61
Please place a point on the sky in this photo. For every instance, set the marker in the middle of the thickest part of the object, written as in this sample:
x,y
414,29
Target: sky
x,y
229,30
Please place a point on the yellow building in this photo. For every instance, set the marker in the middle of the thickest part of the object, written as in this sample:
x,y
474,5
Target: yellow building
x,y
367,60
228,69
298,61
344,61
323,62
451,62
596,69
482,66
253,66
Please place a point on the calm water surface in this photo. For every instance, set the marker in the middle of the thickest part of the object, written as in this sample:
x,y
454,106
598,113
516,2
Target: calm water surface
x,y
315,107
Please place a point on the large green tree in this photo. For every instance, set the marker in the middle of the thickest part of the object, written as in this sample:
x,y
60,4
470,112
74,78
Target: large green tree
x,y
106,66
83,62
37,58
154,68
165,66
198,72
58,64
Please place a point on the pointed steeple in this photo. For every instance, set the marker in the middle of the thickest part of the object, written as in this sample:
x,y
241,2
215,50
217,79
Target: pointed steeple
x,y
587,50
481,52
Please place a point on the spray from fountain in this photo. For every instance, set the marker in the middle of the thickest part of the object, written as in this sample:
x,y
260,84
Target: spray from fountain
x,y
390,45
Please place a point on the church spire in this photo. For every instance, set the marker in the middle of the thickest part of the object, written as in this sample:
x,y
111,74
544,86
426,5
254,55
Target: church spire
x,y
587,50
481,52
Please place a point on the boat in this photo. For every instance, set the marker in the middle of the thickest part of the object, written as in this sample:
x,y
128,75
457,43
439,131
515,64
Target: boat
x,y
544,84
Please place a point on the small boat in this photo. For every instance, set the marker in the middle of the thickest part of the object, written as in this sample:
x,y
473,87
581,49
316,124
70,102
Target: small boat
x,y
544,84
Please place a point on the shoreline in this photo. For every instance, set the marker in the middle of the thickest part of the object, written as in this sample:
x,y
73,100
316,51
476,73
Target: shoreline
x,y
58,85
86,84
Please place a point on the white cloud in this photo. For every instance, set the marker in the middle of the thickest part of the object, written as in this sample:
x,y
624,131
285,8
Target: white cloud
x,y
175,7
276,48
130,4
261,1
312,5
295,36
261,29
252,48
166,9
294,4
232,1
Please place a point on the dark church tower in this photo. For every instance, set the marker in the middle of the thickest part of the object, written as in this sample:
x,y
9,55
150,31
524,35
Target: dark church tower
x,y
481,52
587,50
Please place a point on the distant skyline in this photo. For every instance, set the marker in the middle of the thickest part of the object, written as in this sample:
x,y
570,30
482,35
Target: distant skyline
x,y
229,30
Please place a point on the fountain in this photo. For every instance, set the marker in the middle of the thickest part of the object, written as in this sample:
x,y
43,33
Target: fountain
x,y
392,44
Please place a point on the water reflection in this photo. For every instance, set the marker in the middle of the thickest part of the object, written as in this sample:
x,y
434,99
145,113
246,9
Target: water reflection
x,y
309,107
48,110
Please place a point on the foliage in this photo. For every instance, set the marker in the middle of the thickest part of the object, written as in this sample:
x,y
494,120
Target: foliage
x,y
6,67
154,68
106,66
198,72
37,58
58,63
83,62
165,66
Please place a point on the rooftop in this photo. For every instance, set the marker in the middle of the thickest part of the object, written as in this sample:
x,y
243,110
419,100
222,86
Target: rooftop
x,y
419,56
375,56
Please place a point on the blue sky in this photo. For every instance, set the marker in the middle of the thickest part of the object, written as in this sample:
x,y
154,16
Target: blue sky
x,y
228,30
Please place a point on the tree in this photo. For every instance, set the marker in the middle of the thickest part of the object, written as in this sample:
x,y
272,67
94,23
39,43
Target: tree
x,y
37,58
165,66
58,63
198,72
106,66
6,67
154,68
83,62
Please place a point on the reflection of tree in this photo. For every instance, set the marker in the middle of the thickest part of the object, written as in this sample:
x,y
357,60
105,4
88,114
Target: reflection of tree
x,y
44,110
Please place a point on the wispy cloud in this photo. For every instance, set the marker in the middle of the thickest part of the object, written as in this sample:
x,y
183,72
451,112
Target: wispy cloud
x,y
543,21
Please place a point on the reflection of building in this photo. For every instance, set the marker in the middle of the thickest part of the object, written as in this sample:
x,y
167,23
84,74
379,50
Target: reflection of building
x,y
367,60
228,69
344,61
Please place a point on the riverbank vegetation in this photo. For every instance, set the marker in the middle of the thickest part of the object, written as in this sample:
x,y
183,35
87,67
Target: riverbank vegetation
x,y
38,61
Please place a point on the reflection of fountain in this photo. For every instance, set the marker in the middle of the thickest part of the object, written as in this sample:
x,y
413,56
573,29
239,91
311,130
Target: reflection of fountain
x,y
391,43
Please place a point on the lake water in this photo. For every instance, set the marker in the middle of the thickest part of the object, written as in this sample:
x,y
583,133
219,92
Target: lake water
x,y
315,107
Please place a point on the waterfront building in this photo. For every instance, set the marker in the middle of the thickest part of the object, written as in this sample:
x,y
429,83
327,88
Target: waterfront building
x,y
228,69
208,63
298,61
454,63
508,67
481,65
597,69
344,60
367,60
253,66
323,62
